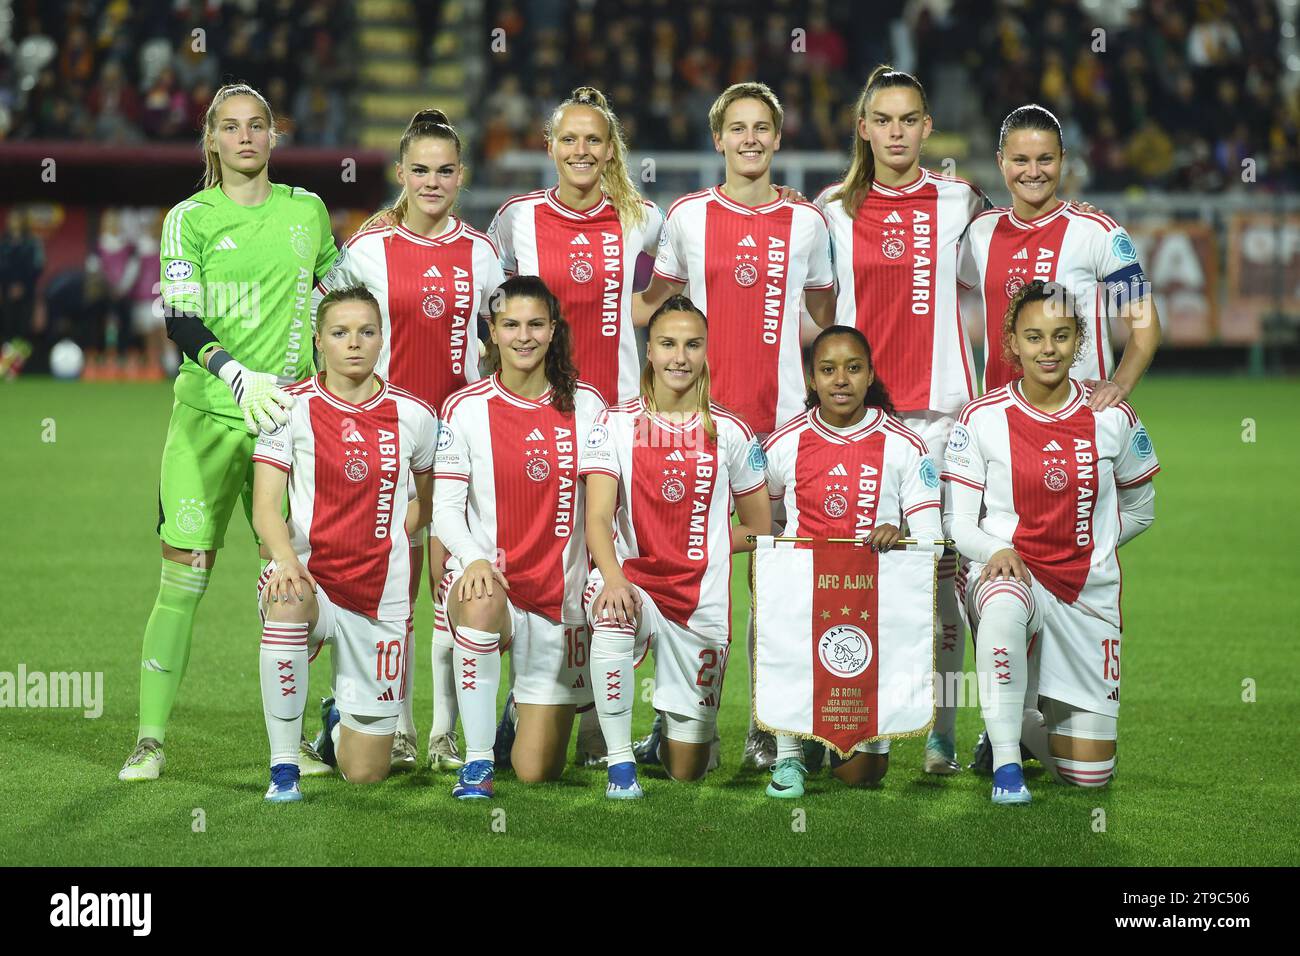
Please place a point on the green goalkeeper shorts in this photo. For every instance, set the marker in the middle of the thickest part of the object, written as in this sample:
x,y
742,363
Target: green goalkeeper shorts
x,y
207,466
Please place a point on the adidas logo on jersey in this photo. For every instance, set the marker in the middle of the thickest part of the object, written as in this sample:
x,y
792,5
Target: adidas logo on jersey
x,y
354,437
580,240
748,242
1113,695
676,456
386,695
579,682
894,217
433,273
1022,254
1052,445
226,243
839,470
535,435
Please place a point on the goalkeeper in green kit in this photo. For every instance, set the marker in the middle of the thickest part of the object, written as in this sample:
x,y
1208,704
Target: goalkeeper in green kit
x,y
239,260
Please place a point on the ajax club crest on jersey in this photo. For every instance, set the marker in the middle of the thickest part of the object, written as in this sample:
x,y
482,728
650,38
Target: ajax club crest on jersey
x,y
892,244
1016,279
1054,476
537,467
580,268
844,650
300,241
355,467
835,504
746,272
673,488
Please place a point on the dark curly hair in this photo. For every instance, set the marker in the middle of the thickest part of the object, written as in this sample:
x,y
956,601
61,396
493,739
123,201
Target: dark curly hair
x,y
1040,291
560,370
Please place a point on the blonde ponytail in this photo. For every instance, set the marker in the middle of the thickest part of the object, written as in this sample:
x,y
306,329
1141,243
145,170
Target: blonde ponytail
x,y
615,180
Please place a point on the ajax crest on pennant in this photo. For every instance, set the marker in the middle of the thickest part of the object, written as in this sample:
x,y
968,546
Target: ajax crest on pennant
x,y
844,650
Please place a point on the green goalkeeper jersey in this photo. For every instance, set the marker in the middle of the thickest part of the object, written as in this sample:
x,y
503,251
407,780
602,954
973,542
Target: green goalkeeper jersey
x,y
248,271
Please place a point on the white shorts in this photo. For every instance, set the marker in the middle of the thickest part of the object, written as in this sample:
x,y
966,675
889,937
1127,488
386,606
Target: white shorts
x,y
1076,655
689,666
369,657
548,660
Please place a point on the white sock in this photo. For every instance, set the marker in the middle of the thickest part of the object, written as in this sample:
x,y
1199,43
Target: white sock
x,y
445,708
478,673
950,649
283,672
406,718
787,746
1003,672
613,683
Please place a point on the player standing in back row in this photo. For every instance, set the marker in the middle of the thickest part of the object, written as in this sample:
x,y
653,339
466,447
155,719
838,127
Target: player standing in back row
x,y
750,259
432,275
239,259
895,229
1044,237
583,236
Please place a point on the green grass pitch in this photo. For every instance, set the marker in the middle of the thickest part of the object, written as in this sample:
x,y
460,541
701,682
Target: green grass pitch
x,y
1212,600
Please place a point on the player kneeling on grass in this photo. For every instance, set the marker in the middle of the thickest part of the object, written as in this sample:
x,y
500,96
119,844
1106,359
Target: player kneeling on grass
x,y
340,565
666,466
1060,488
814,464
509,509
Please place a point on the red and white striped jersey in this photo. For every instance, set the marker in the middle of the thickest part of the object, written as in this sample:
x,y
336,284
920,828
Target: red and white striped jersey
x,y
587,258
673,524
843,482
896,268
746,268
1088,253
1049,485
514,462
430,293
348,466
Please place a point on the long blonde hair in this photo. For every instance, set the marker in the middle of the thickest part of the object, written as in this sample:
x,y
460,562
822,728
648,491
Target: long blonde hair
x,y
679,303
615,180
211,158
427,122
862,167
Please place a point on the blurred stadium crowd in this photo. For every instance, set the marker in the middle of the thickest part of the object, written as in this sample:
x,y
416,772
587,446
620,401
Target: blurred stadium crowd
x,y
1173,95
125,71
1170,95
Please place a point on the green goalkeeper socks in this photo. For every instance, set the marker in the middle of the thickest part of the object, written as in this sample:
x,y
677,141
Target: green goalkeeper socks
x,y
166,650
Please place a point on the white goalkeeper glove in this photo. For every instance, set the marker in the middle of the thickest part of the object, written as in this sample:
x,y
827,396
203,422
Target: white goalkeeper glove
x,y
258,396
